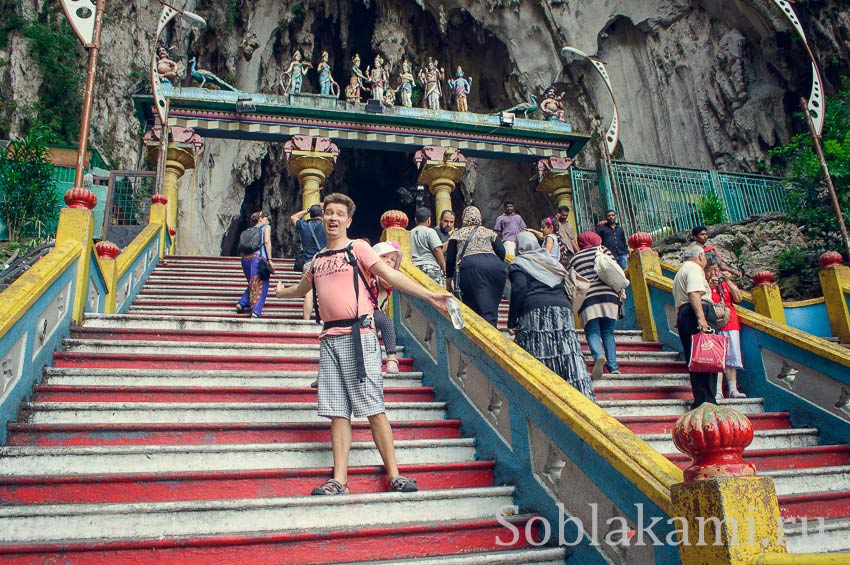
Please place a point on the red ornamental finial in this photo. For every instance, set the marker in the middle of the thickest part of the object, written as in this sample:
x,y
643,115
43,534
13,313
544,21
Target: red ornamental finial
x,y
107,249
159,199
394,219
714,437
640,240
762,278
81,198
172,232
830,259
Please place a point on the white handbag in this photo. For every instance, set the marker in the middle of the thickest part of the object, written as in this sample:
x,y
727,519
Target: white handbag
x,y
609,271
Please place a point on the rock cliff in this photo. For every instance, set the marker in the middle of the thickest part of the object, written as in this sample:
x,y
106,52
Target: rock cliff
x,y
708,83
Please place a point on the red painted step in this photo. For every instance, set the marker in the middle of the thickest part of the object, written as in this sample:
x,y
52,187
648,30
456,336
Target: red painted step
x,y
643,392
816,505
648,367
178,304
206,336
201,362
220,485
74,393
293,548
794,458
207,434
664,424
169,313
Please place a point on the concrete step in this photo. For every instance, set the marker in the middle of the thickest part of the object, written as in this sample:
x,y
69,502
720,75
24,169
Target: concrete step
x,y
214,260
826,505
40,461
201,292
210,412
762,439
619,408
85,376
272,304
230,337
217,312
176,321
144,347
232,284
228,484
785,459
816,479
175,276
544,556
643,380
33,524
665,424
833,536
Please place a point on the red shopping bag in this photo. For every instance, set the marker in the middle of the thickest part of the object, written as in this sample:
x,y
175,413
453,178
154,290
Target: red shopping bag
x,y
708,353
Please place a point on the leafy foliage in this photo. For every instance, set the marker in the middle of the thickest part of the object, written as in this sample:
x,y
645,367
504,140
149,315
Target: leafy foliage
x,y
27,190
712,209
10,20
809,203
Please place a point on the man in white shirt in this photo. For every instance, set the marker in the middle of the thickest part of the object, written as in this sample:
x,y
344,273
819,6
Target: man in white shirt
x,y
695,313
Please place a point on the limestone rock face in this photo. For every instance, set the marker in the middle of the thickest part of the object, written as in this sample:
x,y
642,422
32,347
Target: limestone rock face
x,y
708,83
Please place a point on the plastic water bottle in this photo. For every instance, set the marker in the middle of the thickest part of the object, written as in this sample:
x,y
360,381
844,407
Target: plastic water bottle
x,y
454,311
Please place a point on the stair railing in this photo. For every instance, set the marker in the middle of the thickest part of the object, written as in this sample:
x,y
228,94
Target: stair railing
x,y
75,278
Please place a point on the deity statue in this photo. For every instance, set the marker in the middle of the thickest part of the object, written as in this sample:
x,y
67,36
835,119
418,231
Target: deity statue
x,y
168,70
293,77
389,97
378,78
461,87
430,78
406,83
352,91
552,106
326,81
356,72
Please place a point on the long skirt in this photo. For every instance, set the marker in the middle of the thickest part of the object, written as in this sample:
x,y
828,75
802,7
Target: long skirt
x,y
482,281
549,334
255,295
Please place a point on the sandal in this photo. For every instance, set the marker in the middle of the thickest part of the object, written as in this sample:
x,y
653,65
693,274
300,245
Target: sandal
x,y
403,484
331,488
736,394
242,309
392,369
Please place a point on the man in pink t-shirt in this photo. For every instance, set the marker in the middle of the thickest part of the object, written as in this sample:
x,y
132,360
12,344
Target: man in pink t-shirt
x,y
350,362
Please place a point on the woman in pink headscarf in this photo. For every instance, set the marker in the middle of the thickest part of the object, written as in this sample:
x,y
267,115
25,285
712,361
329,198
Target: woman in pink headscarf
x,y
601,307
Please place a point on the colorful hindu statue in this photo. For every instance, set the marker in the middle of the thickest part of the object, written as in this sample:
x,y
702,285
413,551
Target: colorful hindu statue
x,y
406,83
293,77
326,81
356,72
168,70
378,78
552,106
352,91
430,78
461,88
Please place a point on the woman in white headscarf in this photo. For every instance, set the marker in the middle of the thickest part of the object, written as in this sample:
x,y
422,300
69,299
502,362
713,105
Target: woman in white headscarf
x,y
541,316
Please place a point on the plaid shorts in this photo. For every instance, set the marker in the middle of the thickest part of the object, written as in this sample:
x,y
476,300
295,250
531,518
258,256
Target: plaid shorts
x,y
340,391
435,274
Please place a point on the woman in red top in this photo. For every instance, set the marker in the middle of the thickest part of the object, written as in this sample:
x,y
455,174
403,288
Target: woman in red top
x,y
726,291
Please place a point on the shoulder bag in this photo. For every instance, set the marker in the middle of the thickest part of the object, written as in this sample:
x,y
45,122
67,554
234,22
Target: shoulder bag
x,y
575,285
721,309
300,260
456,283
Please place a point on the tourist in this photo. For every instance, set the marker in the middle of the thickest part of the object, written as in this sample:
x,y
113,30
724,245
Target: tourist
x,y
601,307
728,292
475,265
508,225
565,229
541,316
380,295
312,241
550,237
694,313
350,357
426,249
447,225
700,237
254,297
614,238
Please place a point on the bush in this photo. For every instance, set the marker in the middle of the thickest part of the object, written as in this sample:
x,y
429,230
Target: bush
x,y
712,209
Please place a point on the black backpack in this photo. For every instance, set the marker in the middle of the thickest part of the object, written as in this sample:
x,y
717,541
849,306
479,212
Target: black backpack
x,y
250,241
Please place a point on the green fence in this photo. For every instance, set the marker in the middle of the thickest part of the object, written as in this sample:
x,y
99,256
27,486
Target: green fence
x,y
659,199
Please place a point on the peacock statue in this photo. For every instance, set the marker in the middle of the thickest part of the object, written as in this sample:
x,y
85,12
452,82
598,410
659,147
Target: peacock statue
x,y
525,107
203,77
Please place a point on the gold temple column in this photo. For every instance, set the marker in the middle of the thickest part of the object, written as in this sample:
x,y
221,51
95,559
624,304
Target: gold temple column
x,y
554,180
311,160
440,168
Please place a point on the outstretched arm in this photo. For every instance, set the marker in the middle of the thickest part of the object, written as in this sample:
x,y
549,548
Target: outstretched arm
x,y
295,291
400,281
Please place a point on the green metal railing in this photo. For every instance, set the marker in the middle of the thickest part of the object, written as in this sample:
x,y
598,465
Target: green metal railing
x,y
660,199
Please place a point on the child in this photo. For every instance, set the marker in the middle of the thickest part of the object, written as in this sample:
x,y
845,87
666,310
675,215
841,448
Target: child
x,y
380,295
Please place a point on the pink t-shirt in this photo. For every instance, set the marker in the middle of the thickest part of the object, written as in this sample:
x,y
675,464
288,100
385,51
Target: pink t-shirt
x,y
335,285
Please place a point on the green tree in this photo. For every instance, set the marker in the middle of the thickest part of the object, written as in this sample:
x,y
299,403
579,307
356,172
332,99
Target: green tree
x,y
27,189
712,209
808,201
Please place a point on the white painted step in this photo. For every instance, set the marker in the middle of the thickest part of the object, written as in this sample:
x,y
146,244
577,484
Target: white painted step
x,y
204,412
762,439
815,479
650,379
193,378
829,537
129,346
41,461
214,275
618,408
28,524
542,556
197,292
289,314
174,321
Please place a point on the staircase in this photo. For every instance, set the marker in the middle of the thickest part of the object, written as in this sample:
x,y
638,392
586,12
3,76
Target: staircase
x,y
182,432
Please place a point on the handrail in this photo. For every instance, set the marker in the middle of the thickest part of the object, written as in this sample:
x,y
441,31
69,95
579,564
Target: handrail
x,y
648,470
130,253
788,334
28,288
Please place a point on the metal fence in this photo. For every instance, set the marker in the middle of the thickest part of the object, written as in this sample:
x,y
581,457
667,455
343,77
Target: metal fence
x,y
660,199
128,205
